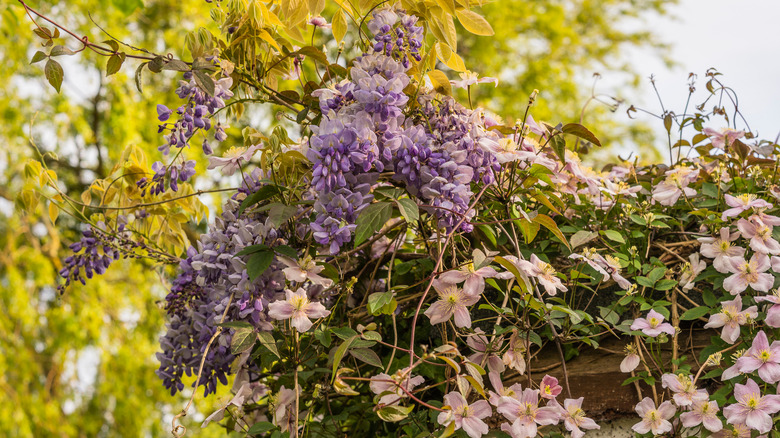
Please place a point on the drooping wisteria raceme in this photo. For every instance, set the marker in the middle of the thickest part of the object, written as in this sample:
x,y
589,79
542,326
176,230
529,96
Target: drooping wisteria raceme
x,y
407,257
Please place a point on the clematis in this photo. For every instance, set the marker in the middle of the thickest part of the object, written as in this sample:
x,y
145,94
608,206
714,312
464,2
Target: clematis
x,y
749,273
705,413
473,279
720,249
549,387
544,273
525,414
281,403
574,417
484,351
690,271
773,313
763,358
733,371
468,78
304,269
654,419
514,357
731,317
391,386
760,236
723,137
495,397
735,431
319,21
653,325
238,401
466,416
684,392
298,309
631,361
607,266
453,301
231,161
675,185
742,203
752,409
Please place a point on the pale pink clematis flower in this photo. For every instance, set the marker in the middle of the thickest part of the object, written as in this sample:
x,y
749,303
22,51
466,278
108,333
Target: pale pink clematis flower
x,y
742,203
393,386
760,236
752,409
731,317
685,393
513,391
749,273
298,309
654,325
231,161
721,249
466,416
549,387
655,420
544,273
238,401
735,431
281,403
484,351
574,417
773,313
514,357
676,183
720,138
605,265
473,279
732,371
705,413
453,301
319,21
690,271
525,413
304,269
763,358
629,363
468,78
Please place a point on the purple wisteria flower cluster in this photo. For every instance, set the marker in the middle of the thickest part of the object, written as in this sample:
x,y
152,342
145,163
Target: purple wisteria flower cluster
x,y
366,130
93,254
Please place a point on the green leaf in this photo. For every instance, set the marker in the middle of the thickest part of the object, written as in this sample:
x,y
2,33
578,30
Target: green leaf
x,y
54,73
138,71
440,82
344,332
580,131
549,223
371,220
235,324
339,25
393,414
258,263
204,81
263,193
286,251
474,22
128,6
38,57
114,63
582,237
366,355
408,209
251,249
261,427
656,274
559,147
695,313
61,50
176,65
280,213
243,340
709,298
378,300
613,236
665,284
267,340
339,355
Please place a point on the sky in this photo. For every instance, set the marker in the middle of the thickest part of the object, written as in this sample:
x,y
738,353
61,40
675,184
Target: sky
x,y
738,38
